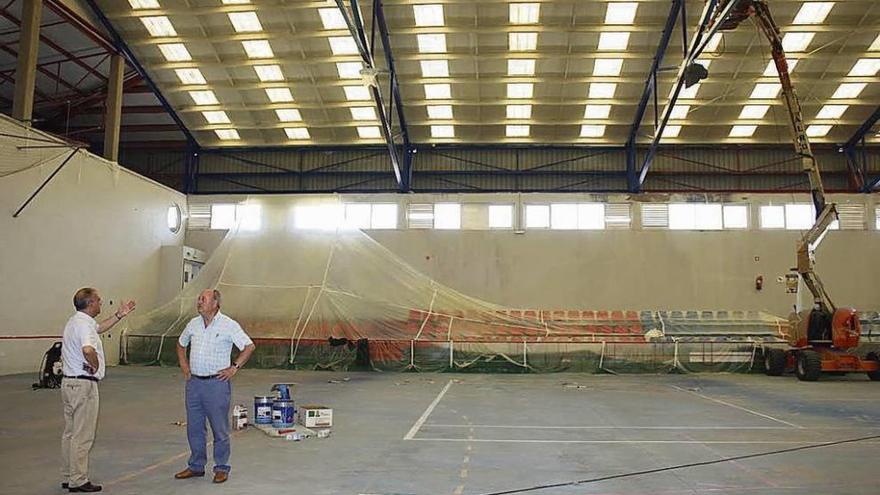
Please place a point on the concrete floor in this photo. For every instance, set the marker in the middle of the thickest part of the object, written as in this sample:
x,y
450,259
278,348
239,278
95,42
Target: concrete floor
x,y
473,434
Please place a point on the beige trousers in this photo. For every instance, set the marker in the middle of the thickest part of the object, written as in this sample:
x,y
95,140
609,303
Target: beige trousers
x,y
80,401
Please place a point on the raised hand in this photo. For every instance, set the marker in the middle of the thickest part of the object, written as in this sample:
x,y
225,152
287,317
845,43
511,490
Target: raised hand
x,y
125,308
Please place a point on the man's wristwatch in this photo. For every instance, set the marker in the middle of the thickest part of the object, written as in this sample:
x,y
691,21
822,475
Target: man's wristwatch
x,y
236,366
117,316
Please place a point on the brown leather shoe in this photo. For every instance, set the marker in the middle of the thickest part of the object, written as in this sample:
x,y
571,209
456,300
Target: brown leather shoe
x,y
188,473
221,476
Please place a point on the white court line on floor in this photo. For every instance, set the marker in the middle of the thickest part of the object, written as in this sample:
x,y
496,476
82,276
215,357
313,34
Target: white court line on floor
x,y
741,408
688,428
603,442
418,424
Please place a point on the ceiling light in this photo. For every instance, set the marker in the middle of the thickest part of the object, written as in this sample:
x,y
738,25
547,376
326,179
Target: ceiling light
x,y
613,41
175,52
349,70
524,13
865,67
521,67
519,111
597,111
428,15
742,130
602,90
770,70
158,26
216,117
190,76
713,43
204,97
343,45
848,90
438,91
332,18
431,43
689,93
671,131
818,130
621,12
288,114
369,132
520,90
363,113
831,111
754,112
442,131
590,130
245,22
258,49
765,91
227,134
269,73
356,93
522,42
607,66
441,112
144,4
517,131
813,12
679,112
296,132
796,42
279,95
435,68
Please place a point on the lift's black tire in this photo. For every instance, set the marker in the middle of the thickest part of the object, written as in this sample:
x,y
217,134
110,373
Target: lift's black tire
x,y
809,366
774,362
873,375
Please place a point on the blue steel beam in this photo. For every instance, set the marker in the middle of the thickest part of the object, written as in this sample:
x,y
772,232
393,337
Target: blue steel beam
x,y
863,130
850,149
632,183
133,61
355,25
698,44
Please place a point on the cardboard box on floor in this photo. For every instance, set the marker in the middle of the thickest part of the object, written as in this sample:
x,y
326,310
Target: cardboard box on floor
x,y
314,416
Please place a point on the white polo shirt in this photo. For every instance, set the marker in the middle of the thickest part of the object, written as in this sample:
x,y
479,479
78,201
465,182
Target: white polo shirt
x,y
211,346
80,331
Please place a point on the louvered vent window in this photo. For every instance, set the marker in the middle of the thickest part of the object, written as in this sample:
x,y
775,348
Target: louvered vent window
x,y
617,216
199,217
420,216
655,216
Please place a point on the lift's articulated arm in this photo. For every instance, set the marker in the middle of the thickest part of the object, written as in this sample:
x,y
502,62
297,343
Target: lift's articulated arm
x,y
826,213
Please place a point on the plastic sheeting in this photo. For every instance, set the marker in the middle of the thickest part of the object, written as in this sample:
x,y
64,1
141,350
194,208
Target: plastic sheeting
x,y
23,148
330,297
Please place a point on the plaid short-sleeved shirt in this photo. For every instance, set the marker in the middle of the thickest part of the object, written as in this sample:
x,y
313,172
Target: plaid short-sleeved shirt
x,y
211,346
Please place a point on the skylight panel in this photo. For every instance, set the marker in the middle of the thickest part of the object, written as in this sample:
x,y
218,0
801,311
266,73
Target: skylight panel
x,y
269,73
434,68
158,26
349,70
613,41
590,130
607,66
519,111
438,91
524,13
190,76
297,133
428,15
602,90
689,93
796,42
865,67
431,43
216,117
520,90
332,18
279,95
440,112
258,49
343,45
442,131
363,113
813,13
521,67
369,132
227,134
204,97
848,90
818,130
144,4
770,70
679,112
245,22
875,46
288,114
597,111
713,43
754,112
742,130
621,12
356,93
517,131
175,52
765,91
671,131
522,42
831,111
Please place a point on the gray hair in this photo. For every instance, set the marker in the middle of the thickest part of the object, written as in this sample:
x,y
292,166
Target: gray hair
x,y
84,297
217,296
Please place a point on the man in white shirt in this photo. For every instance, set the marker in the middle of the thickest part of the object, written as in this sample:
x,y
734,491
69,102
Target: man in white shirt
x,y
83,357
208,373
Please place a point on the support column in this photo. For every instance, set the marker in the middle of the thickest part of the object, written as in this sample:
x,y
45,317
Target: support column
x,y
113,116
26,67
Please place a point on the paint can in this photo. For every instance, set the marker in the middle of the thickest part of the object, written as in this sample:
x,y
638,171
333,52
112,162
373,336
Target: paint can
x,y
262,410
282,413
239,417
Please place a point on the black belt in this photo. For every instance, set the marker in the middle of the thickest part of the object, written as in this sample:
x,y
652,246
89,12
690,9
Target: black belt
x,y
83,377
209,377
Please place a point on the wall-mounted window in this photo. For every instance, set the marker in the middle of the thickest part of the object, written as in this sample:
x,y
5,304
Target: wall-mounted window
x,y
851,217
695,216
199,217
500,216
772,216
655,215
420,216
799,216
249,217
877,217
222,216
617,216
174,218
577,216
317,217
537,216
736,216
371,215
447,216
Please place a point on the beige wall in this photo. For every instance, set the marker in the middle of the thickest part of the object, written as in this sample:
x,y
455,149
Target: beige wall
x,y
94,224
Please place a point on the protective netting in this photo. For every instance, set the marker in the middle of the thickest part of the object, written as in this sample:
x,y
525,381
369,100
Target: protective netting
x,y
23,147
333,298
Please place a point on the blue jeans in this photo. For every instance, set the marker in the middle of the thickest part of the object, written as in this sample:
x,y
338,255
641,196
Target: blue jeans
x,y
208,399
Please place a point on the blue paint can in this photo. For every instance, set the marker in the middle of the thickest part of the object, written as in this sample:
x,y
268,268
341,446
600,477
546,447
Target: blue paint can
x,y
263,410
282,413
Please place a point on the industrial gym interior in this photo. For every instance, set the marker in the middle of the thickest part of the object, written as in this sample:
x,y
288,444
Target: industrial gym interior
x,y
480,247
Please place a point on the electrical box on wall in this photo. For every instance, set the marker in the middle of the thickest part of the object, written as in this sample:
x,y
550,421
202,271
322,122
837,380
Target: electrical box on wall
x,y
179,266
